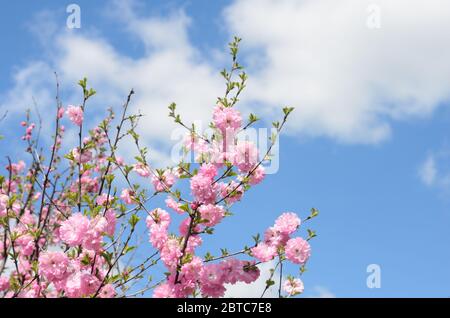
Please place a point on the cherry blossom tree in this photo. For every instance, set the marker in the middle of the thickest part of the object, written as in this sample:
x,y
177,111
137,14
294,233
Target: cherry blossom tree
x,y
67,220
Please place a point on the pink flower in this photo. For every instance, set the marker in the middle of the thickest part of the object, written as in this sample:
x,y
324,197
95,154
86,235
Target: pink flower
x,y
212,213
111,220
127,196
293,286
232,269
164,290
211,281
249,272
159,217
17,168
74,229
165,181
4,283
60,112
264,252
142,170
287,223
274,237
246,156
227,118
202,186
257,176
158,236
26,244
208,170
232,191
297,250
172,204
107,291
94,236
53,265
81,284
75,114
193,143
191,270
170,253
103,198
86,155
3,205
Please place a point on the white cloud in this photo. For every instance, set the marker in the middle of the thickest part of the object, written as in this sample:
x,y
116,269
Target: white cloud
x,y
347,81
170,70
427,171
322,292
434,170
255,289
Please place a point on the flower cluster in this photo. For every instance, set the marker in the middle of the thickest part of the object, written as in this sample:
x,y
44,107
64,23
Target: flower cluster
x,y
69,221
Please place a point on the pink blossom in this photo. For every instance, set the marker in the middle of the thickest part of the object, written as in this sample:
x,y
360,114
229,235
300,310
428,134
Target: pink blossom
x,y
4,283
53,265
208,170
249,272
287,223
202,186
293,286
17,168
107,291
164,290
298,250
94,236
257,176
158,216
3,205
172,204
75,114
184,226
246,156
165,181
86,155
103,198
231,269
191,270
81,284
232,191
170,253
158,236
274,237
74,229
264,252
211,281
60,112
111,220
193,143
26,244
127,196
142,170
212,213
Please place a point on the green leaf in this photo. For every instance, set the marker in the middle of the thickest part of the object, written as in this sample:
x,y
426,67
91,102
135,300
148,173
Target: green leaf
x,y
83,83
128,249
134,219
269,283
252,118
208,256
311,234
287,110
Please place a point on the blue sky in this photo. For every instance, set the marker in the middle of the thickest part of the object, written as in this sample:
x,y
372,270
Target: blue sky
x,y
371,111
